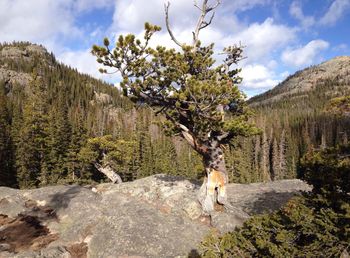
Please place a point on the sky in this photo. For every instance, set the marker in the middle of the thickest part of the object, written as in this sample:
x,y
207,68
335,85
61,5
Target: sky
x,y
280,36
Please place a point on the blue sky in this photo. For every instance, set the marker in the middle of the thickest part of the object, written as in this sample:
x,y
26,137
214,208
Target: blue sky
x,y
281,36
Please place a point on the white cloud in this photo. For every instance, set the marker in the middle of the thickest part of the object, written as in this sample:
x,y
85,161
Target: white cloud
x,y
262,40
272,64
243,5
84,62
131,15
257,76
36,20
335,12
52,23
296,11
305,55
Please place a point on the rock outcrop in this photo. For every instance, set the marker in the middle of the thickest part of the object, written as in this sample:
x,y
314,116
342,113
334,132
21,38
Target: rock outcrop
x,y
157,216
28,53
335,71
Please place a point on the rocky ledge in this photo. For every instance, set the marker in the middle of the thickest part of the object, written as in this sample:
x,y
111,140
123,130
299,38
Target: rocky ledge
x,y
157,216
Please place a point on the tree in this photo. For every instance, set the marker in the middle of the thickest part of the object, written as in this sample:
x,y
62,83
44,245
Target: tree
x,y
7,173
59,134
275,160
282,154
315,224
78,139
32,146
108,156
200,100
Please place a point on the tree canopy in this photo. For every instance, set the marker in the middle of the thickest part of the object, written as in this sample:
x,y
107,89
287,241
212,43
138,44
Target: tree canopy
x,y
196,95
199,98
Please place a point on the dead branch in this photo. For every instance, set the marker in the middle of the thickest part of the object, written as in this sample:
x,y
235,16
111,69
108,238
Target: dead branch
x,y
202,23
166,8
109,172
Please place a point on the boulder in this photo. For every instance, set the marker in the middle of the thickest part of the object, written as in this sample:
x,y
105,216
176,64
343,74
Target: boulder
x,y
157,216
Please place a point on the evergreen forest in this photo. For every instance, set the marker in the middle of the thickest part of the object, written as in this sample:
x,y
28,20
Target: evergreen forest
x,y
56,124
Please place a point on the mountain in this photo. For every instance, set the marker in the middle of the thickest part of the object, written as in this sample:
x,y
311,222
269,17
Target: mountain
x,y
331,78
56,124
157,216
294,119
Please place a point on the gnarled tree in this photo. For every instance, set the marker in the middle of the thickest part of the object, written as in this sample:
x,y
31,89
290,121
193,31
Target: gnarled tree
x,y
199,98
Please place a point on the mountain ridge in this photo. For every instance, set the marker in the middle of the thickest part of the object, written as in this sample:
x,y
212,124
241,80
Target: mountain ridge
x,y
306,80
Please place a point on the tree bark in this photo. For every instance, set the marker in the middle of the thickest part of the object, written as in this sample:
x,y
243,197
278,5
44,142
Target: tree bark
x,y
213,189
109,172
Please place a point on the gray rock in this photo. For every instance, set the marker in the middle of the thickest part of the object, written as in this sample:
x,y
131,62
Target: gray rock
x,y
157,216
11,77
51,252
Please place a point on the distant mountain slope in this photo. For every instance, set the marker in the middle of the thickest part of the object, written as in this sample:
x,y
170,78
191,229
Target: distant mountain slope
x,y
318,77
294,119
52,117
49,112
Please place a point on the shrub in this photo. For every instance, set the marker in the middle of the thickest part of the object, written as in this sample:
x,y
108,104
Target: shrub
x,y
316,224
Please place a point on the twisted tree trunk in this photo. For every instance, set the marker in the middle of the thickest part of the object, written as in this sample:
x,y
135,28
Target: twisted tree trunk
x,y
213,189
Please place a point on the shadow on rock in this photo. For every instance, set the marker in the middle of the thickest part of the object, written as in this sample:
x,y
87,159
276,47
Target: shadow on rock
x,y
268,202
194,254
175,179
61,200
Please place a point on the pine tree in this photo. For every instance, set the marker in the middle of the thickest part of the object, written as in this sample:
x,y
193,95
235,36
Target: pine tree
x,y
32,146
257,155
59,134
276,174
7,173
188,90
78,140
282,154
265,148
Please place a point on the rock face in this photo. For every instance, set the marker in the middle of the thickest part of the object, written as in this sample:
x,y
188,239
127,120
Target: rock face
x,y
309,79
24,53
157,216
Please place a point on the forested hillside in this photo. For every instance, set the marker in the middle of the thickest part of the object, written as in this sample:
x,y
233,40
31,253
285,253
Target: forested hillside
x,y
56,124
293,119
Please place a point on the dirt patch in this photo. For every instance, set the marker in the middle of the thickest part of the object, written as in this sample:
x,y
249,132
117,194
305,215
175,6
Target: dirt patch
x,y
41,212
219,207
78,250
24,233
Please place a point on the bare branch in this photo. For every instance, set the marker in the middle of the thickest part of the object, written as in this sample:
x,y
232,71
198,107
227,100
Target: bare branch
x,y
109,172
206,24
201,24
223,136
166,8
218,2
184,128
196,5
